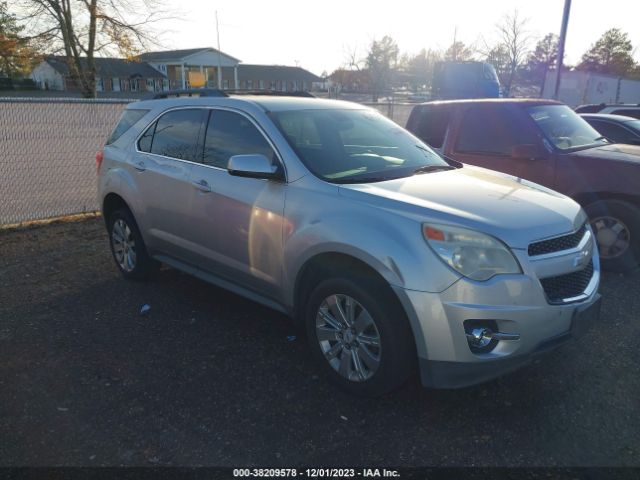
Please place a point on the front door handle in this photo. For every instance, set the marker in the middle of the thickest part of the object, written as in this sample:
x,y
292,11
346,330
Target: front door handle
x,y
140,166
202,185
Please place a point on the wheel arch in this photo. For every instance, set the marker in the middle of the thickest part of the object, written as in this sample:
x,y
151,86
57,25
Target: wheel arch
x,y
589,198
325,264
112,202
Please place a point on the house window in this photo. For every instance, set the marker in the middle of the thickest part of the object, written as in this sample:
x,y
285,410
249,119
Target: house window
x,y
150,84
261,84
249,84
272,85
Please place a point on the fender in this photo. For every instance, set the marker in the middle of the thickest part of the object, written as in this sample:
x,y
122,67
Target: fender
x,y
392,248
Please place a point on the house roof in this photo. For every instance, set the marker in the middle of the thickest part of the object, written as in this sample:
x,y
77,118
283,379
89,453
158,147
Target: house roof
x,y
178,55
275,72
109,67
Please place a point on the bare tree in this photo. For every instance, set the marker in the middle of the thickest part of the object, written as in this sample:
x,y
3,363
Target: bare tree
x,y
352,59
513,44
80,29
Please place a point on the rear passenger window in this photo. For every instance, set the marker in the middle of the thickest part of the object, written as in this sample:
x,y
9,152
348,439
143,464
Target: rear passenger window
x,y
432,125
175,134
490,130
230,134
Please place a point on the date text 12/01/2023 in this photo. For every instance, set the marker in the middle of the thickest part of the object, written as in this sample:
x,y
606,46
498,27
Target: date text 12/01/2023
x,y
316,472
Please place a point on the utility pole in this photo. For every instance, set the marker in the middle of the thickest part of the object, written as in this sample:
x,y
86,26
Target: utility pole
x,y
455,50
219,54
561,42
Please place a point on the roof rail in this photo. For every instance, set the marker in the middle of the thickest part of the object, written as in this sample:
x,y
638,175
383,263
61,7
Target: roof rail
x,y
194,92
272,93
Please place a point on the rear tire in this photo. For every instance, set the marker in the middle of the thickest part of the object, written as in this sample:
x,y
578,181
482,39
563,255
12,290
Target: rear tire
x,y
128,248
373,352
616,225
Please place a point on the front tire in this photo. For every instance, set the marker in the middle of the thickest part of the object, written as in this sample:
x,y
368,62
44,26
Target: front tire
x,y
360,335
128,248
616,225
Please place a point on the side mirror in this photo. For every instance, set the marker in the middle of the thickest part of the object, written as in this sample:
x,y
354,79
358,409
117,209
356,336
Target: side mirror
x,y
253,166
527,152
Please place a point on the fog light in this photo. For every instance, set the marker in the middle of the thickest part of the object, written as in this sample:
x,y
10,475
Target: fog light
x,y
483,335
480,337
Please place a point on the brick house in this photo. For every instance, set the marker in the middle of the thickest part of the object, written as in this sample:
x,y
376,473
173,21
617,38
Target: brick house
x,y
112,75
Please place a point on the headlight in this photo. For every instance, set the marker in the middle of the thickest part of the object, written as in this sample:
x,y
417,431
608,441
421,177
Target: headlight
x,y
473,254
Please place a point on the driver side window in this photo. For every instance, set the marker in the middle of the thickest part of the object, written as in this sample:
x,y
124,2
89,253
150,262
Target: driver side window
x,y
229,134
493,131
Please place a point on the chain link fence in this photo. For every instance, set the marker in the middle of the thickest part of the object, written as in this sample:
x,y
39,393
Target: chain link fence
x,y
47,153
398,112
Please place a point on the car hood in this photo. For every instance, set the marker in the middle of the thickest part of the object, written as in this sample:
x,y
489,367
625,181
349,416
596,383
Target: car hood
x,y
616,151
514,210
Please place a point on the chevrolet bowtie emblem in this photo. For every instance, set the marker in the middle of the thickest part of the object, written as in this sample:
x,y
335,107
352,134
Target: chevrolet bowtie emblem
x,y
581,258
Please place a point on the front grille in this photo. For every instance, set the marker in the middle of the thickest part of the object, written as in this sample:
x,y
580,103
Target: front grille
x,y
557,244
567,286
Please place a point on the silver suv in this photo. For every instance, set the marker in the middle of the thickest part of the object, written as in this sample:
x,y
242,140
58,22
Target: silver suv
x,y
388,255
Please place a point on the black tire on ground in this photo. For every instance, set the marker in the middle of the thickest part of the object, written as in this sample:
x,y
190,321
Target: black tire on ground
x,y
628,215
144,266
397,352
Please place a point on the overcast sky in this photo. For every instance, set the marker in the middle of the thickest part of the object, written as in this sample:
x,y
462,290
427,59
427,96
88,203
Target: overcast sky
x,y
317,34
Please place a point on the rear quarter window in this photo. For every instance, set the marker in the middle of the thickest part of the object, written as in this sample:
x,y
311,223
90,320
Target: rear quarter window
x,y
128,119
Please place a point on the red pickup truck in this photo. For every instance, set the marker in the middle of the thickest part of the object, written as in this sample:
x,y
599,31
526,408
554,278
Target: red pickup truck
x,y
548,143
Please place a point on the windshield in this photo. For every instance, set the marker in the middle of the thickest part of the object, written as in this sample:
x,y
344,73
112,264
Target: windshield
x,y
355,146
564,128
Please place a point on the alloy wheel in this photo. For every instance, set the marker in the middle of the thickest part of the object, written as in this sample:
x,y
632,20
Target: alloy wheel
x,y
124,245
348,337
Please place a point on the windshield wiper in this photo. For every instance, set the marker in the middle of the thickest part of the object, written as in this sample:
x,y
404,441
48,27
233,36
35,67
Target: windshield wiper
x,y
433,168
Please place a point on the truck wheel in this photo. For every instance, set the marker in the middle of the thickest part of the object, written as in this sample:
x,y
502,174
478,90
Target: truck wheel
x,y
360,335
128,248
616,225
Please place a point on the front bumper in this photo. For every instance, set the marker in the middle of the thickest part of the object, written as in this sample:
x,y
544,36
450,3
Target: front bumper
x,y
437,374
515,302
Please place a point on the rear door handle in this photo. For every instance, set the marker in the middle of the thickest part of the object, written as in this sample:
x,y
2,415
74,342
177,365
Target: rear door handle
x,y
140,166
202,185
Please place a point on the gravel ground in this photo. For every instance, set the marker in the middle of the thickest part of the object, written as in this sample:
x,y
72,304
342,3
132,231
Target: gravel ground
x,y
209,378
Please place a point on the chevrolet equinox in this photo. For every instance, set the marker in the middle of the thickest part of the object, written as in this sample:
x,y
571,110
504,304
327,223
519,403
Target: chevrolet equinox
x,y
388,255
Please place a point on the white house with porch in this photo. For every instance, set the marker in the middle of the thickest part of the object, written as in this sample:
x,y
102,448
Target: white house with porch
x,y
195,67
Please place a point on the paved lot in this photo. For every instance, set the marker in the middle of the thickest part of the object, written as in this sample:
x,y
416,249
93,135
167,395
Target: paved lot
x,y
208,378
